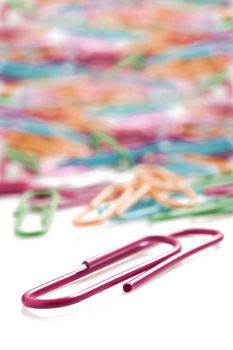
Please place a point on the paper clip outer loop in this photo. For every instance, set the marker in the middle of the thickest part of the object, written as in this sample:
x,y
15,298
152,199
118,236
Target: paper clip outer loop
x,y
47,212
163,198
159,178
164,182
117,192
31,299
216,237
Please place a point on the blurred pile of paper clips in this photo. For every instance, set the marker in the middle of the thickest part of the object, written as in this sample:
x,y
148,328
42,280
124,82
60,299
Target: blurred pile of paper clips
x,y
139,86
145,85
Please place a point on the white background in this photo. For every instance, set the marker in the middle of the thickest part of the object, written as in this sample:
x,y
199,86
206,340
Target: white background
x,y
188,307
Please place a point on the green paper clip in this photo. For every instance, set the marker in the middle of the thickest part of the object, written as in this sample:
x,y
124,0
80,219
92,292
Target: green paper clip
x,y
210,207
27,160
211,180
99,138
26,206
134,61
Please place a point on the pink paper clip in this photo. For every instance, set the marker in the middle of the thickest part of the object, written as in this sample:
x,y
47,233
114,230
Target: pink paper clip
x,y
11,187
79,196
70,197
138,275
225,190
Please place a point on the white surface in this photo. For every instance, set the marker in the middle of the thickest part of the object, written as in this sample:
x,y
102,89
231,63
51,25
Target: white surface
x,y
189,307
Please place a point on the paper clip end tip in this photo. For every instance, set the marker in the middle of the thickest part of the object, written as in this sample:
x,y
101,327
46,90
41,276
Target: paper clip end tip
x,y
127,287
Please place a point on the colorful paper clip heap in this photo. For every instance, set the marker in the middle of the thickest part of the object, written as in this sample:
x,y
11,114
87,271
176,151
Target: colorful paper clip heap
x,y
131,85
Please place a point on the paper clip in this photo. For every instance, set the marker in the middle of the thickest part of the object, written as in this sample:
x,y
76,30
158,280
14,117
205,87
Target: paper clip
x,y
220,190
164,182
147,207
29,161
113,192
138,275
99,137
69,196
209,207
25,207
148,181
46,201
212,180
17,70
8,187
13,187
178,164
143,209
222,165
218,185
39,146
213,146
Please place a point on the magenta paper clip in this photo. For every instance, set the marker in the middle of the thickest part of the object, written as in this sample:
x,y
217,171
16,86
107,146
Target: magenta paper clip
x,y
11,187
71,197
138,274
225,190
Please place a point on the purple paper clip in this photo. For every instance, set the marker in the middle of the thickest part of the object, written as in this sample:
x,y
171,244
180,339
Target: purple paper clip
x,y
138,274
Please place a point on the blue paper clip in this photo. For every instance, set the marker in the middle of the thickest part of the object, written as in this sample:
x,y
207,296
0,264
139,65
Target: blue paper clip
x,y
180,166
192,51
142,209
213,146
29,125
17,70
208,147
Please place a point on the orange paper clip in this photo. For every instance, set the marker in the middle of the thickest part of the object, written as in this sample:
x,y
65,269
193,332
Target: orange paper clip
x,y
222,165
153,182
